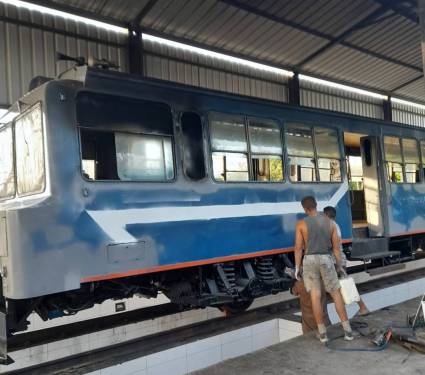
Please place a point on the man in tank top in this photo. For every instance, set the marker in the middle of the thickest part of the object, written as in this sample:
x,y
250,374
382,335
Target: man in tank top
x,y
317,235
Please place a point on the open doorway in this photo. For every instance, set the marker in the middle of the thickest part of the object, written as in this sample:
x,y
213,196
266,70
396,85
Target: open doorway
x,y
355,179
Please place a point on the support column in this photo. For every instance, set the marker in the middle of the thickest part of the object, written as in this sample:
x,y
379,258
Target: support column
x,y
388,110
294,90
135,50
421,14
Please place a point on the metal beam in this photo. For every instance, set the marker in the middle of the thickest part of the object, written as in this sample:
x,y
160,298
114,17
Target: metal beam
x,y
405,84
145,10
402,10
372,17
388,110
135,50
79,12
421,13
37,26
294,90
306,29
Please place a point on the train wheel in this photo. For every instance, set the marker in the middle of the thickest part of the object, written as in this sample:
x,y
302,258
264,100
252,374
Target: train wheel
x,y
235,308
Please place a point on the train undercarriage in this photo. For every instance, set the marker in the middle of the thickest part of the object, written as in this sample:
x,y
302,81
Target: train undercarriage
x,y
230,286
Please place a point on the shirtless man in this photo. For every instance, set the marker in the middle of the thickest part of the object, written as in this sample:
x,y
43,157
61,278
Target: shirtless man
x,y
317,235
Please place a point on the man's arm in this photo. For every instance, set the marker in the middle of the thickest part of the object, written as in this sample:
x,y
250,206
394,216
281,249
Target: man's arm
x,y
336,245
298,247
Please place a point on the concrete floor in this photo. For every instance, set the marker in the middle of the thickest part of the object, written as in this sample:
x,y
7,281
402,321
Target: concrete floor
x,y
305,354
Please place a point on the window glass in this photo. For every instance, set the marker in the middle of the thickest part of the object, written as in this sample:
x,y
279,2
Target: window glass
x,y
356,171
143,158
29,152
267,167
411,160
230,166
228,133
299,141
7,173
410,151
264,137
327,144
302,169
329,170
412,173
392,149
395,172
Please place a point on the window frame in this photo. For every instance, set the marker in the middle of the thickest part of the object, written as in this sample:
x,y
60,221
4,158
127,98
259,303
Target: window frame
x,y
403,163
204,129
11,125
100,129
421,158
316,158
248,151
45,155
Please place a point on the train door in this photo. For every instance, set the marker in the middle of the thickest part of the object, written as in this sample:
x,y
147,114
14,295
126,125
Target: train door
x,y
356,186
375,186
366,184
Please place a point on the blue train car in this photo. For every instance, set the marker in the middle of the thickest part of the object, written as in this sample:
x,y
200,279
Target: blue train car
x,y
112,185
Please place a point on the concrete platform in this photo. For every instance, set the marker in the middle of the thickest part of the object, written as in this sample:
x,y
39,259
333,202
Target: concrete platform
x,y
306,355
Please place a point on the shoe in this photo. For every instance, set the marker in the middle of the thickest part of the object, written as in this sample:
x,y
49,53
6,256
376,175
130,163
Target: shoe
x,y
323,337
363,313
348,336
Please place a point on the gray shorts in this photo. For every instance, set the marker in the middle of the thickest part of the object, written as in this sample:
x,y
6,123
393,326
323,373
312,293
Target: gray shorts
x,y
318,268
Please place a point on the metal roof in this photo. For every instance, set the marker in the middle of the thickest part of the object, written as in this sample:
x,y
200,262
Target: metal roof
x,y
369,43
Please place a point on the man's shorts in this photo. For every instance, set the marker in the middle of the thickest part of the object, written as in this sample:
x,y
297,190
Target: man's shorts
x,y
317,268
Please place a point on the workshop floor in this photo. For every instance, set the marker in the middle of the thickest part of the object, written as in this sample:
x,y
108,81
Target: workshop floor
x,y
305,354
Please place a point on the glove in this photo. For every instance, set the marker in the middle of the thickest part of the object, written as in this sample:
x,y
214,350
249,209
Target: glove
x,y
297,273
340,271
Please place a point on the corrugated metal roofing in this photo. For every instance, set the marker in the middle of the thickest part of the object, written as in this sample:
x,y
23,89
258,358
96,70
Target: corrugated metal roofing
x,y
384,55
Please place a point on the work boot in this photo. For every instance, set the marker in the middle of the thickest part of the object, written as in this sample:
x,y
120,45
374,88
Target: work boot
x,y
348,336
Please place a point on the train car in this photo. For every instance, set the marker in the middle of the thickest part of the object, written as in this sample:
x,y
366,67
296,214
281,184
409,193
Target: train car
x,y
113,185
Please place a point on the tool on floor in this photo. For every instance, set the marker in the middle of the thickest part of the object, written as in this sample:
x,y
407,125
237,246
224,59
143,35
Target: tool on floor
x,y
382,337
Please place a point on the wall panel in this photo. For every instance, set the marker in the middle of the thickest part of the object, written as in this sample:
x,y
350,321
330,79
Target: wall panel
x,y
190,68
316,95
407,114
27,51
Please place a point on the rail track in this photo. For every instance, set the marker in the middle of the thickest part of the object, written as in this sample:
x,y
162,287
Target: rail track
x,y
100,358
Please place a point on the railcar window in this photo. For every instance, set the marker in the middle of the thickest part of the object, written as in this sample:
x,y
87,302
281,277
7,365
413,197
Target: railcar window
x,y
266,150
411,160
228,134
246,149
125,139
230,149
230,166
328,154
393,159
30,173
402,159
193,146
314,154
143,158
7,173
299,140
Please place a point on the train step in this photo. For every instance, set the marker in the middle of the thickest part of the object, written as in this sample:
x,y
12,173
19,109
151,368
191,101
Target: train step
x,y
361,232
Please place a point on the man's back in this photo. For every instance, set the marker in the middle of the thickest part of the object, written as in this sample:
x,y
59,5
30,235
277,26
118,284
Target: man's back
x,y
316,233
